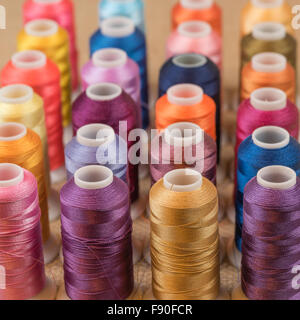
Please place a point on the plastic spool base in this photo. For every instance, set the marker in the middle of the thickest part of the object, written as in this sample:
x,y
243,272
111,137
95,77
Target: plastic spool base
x,y
135,295
48,293
231,214
234,255
238,294
50,249
138,207
58,175
53,205
222,295
68,134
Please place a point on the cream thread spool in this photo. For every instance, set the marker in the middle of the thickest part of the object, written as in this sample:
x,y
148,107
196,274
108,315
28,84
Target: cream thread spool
x,y
16,176
269,138
11,131
268,177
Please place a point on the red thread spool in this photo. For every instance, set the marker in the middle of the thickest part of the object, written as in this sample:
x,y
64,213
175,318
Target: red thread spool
x,y
204,10
36,70
61,11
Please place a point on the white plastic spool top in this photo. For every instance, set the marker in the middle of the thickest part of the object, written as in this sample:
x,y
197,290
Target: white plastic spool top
x,y
93,177
277,177
109,58
183,134
182,180
41,28
95,135
197,4
268,99
117,27
47,1
12,131
185,94
103,91
10,175
190,60
16,94
269,62
269,31
29,59
271,137
194,29
267,4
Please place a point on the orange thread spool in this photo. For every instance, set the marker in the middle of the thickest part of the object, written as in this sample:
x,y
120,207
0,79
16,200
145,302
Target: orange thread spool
x,y
204,10
186,103
257,11
268,69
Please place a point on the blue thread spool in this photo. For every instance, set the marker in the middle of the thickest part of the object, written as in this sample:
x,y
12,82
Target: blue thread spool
x,y
120,32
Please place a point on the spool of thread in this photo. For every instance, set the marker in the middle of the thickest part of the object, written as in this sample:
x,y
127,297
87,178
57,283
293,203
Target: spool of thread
x,y
96,233
61,11
268,69
47,36
195,37
184,237
266,107
186,103
267,146
96,144
203,10
23,147
269,37
120,32
270,236
183,145
21,255
196,69
113,65
107,103
133,9
37,71
257,11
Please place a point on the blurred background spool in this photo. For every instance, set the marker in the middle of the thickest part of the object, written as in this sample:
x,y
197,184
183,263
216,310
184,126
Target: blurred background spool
x,y
47,36
120,32
18,103
203,10
267,146
269,37
184,206
20,238
275,250
186,103
268,69
133,9
23,147
194,69
195,37
37,71
97,274
257,11
107,103
61,11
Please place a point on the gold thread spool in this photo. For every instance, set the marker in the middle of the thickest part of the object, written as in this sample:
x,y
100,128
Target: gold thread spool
x,y
18,103
269,37
47,36
257,11
184,237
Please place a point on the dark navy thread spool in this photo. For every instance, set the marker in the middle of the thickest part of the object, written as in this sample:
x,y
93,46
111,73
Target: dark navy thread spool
x,y
196,69
121,33
267,146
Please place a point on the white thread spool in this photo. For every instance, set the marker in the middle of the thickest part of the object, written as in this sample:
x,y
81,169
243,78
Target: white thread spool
x,y
269,138
11,131
267,4
185,94
269,31
194,29
41,28
33,59
197,4
272,177
117,27
12,175
269,62
109,58
190,60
